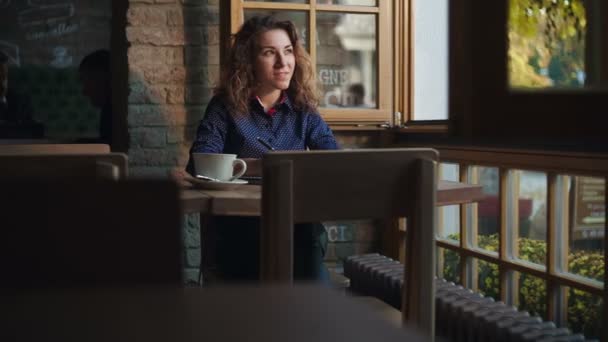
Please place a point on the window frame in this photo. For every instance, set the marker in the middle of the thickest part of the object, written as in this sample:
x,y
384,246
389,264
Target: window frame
x,y
382,116
481,105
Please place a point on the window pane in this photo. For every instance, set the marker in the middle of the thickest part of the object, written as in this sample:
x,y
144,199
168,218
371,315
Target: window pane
x,y
484,215
299,18
449,265
288,1
349,2
530,213
531,294
347,59
547,43
586,227
487,278
584,313
449,216
430,60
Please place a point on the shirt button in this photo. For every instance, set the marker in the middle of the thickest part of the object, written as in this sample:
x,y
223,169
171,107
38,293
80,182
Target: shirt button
x,y
267,125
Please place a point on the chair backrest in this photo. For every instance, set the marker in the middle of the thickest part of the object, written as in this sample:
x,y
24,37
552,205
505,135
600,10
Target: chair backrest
x,y
306,186
21,149
56,166
89,234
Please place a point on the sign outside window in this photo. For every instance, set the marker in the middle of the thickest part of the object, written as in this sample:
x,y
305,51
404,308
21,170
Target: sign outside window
x,y
589,215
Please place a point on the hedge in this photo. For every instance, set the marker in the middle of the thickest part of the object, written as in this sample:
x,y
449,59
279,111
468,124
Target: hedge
x,y
584,310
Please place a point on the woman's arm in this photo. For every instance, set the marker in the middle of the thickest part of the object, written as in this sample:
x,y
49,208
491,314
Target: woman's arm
x,y
211,133
319,136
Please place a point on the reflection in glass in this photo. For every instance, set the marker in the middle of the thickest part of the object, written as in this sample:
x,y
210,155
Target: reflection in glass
x,y
485,213
348,2
530,209
288,1
449,216
347,59
584,314
587,219
299,19
547,43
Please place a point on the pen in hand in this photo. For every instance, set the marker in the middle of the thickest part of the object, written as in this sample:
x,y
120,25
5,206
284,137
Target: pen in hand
x,y
263,142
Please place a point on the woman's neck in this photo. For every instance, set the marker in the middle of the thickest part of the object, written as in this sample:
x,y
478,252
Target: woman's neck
x,y
269,98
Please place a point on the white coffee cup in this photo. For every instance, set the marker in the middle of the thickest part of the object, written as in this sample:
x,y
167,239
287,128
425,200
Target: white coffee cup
x,y
218,166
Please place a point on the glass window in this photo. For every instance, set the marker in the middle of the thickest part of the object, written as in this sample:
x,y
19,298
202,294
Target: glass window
x,y
548,44
430,60
531,294
586,227
484,223
346,59
529,219
584,313
299,18
449,216
348,2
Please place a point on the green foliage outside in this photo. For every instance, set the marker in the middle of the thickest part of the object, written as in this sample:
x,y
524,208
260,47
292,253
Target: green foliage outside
x,y
546,42
584,310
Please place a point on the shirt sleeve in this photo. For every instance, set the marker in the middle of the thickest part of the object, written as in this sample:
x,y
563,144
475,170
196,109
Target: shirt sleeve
x,y
212,131
319,136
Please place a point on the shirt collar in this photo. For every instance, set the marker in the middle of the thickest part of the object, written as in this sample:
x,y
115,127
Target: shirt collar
x,y
273,110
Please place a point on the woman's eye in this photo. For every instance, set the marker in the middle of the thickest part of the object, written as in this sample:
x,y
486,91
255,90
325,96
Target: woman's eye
x,y
268,53
289,51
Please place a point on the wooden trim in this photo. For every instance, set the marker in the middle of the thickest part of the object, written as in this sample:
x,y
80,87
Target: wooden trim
x,y
504,231
410,60
355,114
592,287
464,221
276,230
580,164
427,128
420,253
275,5
384,37
399,49
312,36
552,242
236,15
351,9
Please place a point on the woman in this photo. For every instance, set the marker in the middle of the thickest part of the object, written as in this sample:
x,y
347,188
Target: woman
x,y
266,99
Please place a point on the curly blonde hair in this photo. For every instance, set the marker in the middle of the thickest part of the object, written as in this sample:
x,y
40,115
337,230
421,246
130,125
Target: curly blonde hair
x,y
237,80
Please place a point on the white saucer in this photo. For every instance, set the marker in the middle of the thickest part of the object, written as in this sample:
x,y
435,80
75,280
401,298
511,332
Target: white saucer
x,y
210,185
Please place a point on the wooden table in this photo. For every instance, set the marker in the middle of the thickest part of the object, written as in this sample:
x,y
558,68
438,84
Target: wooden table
x,y
246,200
265,314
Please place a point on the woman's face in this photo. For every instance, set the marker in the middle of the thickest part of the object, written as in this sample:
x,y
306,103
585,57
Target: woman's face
x,y
274,62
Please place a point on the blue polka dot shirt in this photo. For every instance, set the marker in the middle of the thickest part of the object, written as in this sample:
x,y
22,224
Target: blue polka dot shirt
x,y
285,129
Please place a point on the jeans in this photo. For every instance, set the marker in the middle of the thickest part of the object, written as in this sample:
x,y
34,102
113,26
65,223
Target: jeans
x,y
238,249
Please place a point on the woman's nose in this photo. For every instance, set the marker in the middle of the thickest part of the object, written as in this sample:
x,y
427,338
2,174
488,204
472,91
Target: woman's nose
x,y
280,60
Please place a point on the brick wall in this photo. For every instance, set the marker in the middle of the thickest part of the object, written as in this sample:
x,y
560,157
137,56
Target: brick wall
x,y
173,62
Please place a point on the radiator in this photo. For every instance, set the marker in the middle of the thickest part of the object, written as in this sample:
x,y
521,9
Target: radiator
x,y
460,314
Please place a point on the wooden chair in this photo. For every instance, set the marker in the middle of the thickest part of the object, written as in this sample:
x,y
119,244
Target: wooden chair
x,y
54,166
22,149
74,233
307,186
